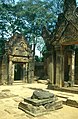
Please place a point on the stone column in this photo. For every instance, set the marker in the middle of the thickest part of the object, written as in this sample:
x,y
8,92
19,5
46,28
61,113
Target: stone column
x,y
57,48
26,75
61,83
12,80
59,67
57,70
51,69
73,69
10,72
4,69
30,72
24,72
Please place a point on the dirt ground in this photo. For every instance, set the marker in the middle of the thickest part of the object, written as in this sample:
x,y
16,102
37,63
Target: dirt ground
x,y
10,96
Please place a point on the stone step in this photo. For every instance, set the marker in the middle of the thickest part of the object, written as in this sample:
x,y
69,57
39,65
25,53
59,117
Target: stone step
x,y
20,82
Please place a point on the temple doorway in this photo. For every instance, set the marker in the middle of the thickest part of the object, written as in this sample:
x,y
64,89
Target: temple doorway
x,y
18,72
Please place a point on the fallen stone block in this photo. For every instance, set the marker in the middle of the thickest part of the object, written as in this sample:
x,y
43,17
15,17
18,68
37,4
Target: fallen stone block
x,y
71,102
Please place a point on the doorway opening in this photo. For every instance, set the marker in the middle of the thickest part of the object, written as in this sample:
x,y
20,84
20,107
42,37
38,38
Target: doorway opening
x,y
18,72
76,67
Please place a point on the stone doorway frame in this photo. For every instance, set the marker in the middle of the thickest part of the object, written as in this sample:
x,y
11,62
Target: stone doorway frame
x,y
12,61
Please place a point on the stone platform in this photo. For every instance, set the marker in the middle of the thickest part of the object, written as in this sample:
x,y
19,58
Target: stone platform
x,y
73,89
39,104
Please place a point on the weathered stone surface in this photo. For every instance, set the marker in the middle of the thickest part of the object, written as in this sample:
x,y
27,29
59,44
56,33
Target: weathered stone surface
x,y
18,54
41,94
30,109
73,103
43,81
6,94
38,102
53,105
39,110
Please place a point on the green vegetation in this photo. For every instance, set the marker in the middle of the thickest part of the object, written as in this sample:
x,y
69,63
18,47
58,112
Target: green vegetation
x,y
28,17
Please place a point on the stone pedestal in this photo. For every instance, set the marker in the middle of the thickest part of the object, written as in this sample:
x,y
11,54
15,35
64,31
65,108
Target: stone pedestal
x,y
39,103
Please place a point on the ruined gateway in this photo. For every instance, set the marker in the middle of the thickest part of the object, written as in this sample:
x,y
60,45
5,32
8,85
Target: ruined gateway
x,y
41,102
16,63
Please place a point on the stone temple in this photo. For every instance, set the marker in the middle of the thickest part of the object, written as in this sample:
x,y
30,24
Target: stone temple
x,y
16,61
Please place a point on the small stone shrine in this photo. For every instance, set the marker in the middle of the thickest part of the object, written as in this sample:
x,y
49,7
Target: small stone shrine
x,y
41,102
16,62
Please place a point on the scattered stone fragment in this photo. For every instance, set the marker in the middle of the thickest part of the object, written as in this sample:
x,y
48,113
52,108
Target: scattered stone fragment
x,y
6,90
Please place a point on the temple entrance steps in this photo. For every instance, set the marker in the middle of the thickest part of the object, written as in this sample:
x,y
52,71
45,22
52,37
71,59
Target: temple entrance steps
x,y
19,82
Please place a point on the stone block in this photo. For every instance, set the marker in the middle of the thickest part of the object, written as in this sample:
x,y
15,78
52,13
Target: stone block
x,y
71,102
32,110
37,102
54,105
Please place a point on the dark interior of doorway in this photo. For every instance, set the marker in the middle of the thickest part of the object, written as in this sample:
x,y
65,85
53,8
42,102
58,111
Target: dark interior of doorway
x,y
18,71
76,67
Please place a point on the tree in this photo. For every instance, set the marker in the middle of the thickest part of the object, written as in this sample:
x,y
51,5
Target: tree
x,y
28,17
39,13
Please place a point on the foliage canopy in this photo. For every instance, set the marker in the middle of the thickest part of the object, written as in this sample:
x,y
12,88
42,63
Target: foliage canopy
x,y
28,17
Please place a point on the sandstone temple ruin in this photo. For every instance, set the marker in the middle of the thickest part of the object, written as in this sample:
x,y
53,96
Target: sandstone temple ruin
x,y
16,63
62,47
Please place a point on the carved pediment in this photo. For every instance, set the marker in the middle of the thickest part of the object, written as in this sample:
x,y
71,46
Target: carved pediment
x,y
20,49
70,35
18,46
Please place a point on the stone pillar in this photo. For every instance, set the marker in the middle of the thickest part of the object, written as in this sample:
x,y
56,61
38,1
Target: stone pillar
x,y
61,83
59,67
57,48
57,70
30,72
51,70
26,75
4,70
24,71
12,80
73,69
10,72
